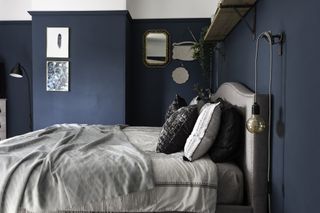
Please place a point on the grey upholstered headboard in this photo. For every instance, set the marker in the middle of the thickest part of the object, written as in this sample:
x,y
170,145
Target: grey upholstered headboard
x,y
256,145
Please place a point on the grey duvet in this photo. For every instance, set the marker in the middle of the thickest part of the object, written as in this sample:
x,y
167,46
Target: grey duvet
x,y
70,167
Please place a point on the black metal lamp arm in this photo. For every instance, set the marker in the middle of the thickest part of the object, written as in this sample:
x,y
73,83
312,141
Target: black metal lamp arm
x,y
29,97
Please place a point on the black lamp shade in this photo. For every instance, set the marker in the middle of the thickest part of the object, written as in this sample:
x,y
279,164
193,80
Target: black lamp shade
x,y
16,72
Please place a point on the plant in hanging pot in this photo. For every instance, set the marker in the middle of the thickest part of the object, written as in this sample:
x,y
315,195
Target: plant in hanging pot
x,y
203,52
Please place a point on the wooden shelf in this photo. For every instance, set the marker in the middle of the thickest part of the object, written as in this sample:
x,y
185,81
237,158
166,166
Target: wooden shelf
x,y
227,16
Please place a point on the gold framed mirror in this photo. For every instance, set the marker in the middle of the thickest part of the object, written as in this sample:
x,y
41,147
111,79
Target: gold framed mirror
x,y
156,48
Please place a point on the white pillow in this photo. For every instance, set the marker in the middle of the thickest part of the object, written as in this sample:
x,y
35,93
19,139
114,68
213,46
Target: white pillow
x,y
204,132
204,107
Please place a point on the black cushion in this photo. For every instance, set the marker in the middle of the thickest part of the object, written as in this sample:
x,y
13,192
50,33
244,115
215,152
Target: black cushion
x,y
230,136
176,130
176,104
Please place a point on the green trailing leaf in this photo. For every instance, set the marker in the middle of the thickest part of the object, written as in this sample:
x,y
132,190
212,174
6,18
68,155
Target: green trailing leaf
x,y
203,52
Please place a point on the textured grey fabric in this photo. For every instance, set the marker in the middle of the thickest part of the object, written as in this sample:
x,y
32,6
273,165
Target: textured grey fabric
x,y
176,104
169,167
179,185
234,209
70,167
254,161
230,187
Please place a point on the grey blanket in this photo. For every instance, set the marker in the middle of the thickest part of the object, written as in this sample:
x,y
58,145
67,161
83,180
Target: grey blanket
x,y
70,167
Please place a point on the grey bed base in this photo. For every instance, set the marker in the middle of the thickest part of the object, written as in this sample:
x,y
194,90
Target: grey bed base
x,y
255,156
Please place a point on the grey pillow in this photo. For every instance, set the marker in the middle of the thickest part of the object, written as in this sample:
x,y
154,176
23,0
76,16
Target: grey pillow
x,y
204,132
176,130
176,104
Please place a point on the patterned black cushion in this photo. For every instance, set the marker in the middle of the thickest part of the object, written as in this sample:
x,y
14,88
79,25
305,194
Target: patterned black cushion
x,y
230,135
176,129
176,104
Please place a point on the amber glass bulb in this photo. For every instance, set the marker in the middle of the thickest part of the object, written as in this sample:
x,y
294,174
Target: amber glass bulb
x,y
255,124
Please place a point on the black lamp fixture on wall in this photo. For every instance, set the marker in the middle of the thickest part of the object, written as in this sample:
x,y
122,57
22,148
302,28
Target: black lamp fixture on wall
x,y
18,71
256,124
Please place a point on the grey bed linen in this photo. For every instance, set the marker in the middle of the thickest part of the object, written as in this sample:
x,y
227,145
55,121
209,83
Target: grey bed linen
x,y
70,167
230,177
179,186
230,187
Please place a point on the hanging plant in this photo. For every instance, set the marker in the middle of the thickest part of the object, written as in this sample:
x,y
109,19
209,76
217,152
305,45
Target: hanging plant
x,y
203,52
203,94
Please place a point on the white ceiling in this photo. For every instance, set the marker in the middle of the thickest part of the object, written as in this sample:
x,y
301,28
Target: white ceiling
x,y
148,9
139,9
15,9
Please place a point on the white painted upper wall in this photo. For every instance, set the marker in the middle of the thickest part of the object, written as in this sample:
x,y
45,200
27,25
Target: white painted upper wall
x,y
153,9
15,9
78,5
139,9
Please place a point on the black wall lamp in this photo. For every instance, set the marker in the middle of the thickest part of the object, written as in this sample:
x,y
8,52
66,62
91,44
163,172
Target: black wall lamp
x,y
19,72
255,124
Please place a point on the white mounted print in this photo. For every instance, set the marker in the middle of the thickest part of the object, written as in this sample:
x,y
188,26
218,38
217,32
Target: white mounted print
x,y
183,51
57,42
58,76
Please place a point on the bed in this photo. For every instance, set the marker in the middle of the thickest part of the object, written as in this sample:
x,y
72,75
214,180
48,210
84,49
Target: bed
x,y
176,186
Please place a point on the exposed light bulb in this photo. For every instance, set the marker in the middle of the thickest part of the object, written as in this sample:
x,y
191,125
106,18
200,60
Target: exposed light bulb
x,y
255,124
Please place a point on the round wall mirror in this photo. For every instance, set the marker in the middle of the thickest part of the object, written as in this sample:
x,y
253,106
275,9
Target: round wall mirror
x,y
156,48
180,75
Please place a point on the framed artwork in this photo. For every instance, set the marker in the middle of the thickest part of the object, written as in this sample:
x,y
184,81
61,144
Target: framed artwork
x,y
57,42
58,76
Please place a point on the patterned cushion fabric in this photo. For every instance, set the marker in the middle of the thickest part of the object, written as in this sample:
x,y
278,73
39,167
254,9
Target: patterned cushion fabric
x,y
204,132
230,135
176,104
176,130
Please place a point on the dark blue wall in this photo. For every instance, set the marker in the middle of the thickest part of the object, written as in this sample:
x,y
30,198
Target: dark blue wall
x,y
16,46
295,89
99,47
153,88
108,80
97,68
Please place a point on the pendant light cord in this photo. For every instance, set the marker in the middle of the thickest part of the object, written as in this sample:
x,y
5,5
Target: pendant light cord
x,y
269,38
255,67
269,129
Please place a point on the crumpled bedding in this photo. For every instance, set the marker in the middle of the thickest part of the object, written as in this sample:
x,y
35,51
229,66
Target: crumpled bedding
x,y
70,167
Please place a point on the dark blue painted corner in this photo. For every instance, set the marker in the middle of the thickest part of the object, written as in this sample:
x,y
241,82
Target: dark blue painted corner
x,y
295,88
108,80
153,88
97,69
16,46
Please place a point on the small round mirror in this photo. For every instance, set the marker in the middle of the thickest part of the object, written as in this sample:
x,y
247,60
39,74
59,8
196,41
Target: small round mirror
x,y
180,75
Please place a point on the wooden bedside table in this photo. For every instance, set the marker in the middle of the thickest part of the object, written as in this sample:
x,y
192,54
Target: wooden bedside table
x,y
3,126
